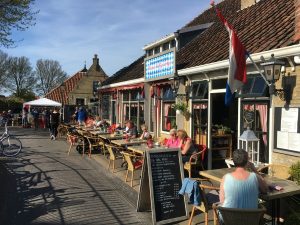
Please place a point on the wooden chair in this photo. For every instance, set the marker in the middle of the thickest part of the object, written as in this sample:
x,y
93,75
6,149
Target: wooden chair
x,y
276,170
233,216
209,196
93,142
114,154
196,159
102,144
134,162
62,130
75,140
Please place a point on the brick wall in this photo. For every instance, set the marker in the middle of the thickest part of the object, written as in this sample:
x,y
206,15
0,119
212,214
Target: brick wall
x,y
286,158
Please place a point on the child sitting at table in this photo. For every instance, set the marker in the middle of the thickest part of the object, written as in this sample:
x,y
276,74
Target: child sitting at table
x,y
145,135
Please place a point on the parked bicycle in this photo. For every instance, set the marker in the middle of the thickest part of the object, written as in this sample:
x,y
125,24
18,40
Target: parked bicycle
x,y
9,145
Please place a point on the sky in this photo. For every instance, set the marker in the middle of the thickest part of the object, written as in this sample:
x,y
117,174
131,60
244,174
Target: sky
x,y
72,31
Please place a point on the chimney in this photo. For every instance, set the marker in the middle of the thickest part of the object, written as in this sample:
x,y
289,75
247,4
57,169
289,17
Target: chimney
x,y
297,21
247,3
96,65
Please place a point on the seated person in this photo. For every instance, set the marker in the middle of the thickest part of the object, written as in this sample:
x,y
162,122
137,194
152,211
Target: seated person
x,y
145,135
97,121
89,121
186,145
131,129
240,188
172,141
104,123
118,127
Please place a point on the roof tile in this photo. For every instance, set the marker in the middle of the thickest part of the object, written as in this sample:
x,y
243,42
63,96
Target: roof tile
x,y
258,27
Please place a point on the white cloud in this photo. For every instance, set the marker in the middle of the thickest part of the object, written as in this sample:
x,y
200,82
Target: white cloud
x,y
73,31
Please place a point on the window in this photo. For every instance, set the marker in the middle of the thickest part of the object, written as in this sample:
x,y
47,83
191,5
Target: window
x,y
157,50
219,83
200,116
173,44
199,90
255,87
79,101
166,46
150,52
95,85
255,116
168,113
105,107
133,106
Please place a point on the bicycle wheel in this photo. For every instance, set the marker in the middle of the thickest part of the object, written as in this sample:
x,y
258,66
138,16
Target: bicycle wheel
x,y
11,146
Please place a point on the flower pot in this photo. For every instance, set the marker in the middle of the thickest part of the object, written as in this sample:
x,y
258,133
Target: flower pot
x,y
221,132
178,112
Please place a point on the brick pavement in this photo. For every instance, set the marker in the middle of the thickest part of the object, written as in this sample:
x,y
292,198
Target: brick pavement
x,y
45,186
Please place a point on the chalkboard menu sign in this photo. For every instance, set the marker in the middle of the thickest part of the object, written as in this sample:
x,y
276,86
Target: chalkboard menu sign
x,y
165,180
249,116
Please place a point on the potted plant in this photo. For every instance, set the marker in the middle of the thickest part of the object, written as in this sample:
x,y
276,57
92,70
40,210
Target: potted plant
x,y
180,107
295,172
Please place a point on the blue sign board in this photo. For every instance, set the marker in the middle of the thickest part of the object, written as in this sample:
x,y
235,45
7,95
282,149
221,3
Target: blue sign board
x,y
160,67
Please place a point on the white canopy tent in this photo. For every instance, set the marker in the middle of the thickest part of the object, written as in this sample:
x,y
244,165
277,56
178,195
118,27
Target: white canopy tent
x,y
42,102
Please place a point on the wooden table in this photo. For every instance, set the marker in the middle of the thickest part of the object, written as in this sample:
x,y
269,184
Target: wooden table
x,y
124,142
141,149
289,188
111,136
98,132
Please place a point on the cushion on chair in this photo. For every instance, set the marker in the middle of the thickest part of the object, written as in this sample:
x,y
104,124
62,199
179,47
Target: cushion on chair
x,y
138,164
212,197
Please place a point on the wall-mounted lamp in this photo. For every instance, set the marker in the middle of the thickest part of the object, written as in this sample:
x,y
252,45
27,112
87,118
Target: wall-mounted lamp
x,y
175,83
272,69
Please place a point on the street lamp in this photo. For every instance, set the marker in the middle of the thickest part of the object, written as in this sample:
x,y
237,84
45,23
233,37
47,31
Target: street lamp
x,y
272,69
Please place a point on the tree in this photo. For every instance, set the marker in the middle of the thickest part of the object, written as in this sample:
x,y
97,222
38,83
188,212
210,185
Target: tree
x,y
15,15
19,76
49,75
25,95
3,67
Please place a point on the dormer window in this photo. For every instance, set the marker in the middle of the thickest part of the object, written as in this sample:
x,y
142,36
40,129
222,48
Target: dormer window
x,y
166,46
157,50
173,44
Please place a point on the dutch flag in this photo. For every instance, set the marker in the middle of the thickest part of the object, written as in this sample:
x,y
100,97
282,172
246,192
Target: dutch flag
x,y
237,62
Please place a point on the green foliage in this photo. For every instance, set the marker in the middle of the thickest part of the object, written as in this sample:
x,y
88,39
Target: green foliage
x,y
15,15
180,106
24,95
13,104
226,130
295,172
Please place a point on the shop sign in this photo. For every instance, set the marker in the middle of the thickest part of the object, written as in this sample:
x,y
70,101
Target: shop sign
x,y
160,66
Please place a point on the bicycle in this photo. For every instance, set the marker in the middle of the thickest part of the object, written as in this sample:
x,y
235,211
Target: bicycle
x,y
9,145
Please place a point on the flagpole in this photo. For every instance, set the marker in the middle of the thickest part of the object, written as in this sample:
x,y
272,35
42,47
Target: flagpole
x,y
258,69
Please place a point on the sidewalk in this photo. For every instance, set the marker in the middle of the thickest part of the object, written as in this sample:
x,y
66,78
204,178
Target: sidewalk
x,y
45,186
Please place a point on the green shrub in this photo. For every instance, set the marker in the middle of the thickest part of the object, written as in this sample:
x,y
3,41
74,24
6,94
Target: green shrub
x,y
295,172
